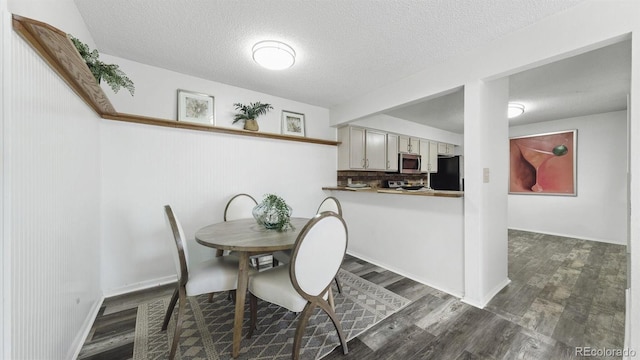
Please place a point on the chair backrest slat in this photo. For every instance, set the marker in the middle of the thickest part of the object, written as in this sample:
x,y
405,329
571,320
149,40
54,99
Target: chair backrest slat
x,y
240,207
330,204
318,253
181,255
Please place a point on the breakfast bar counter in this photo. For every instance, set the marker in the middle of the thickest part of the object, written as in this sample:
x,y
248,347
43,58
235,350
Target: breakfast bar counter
x,y
441,193
419,234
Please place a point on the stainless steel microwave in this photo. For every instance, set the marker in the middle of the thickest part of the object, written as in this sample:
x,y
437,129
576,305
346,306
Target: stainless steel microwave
x,y
409,163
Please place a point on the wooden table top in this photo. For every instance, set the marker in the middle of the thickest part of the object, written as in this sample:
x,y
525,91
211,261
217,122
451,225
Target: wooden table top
x,y
247,235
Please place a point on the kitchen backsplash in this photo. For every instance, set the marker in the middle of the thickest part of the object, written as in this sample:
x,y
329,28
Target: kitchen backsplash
x,y
377,179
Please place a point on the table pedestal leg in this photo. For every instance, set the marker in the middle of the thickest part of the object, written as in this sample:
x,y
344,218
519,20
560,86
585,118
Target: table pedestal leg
x,y
241,293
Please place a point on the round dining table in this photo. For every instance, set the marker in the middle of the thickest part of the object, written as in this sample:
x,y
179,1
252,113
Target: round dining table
x,y
246,237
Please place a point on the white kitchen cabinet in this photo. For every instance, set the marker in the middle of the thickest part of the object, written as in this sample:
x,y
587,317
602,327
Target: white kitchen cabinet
x,y
446,149
375,150
408,144
429,155
392,152
362,149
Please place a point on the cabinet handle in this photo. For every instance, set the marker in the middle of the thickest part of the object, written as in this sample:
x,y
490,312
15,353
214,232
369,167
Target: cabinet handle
x,y
366,164
388,164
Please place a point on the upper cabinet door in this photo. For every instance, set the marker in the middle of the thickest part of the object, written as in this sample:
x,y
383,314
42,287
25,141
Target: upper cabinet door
x,y
357,158
446,149
429,154
392,152
409,145
376,150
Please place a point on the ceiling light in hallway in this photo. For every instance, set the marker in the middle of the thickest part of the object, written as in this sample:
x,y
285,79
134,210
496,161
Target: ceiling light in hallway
x,y
515,109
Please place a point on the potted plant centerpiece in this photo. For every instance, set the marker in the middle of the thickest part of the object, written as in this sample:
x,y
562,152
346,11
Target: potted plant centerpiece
x,y
249,113
273,213
110,73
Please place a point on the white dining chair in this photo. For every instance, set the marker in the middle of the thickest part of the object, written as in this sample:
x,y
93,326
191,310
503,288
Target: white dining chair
x,y
213,275
306,283
238,207
328,204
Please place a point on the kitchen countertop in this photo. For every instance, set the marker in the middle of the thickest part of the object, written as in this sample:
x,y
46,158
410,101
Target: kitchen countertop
x,y
441,193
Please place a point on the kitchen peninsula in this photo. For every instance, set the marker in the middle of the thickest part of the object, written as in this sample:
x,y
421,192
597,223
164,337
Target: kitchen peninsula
x,y
442,193
419,235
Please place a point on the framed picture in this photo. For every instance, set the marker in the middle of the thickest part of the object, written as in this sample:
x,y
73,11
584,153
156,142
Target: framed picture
x,y
195,107
292,123
543,164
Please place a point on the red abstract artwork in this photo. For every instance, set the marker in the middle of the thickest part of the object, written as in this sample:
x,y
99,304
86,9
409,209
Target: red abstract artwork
x,y
543,164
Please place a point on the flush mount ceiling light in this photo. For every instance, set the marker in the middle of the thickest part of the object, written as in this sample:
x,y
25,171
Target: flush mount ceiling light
x,y
273,55
515,109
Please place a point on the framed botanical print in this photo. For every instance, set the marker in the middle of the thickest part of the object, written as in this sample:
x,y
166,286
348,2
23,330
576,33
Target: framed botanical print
x,y
292,123
195,107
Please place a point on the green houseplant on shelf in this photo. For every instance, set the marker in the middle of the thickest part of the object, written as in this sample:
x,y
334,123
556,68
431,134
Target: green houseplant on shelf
x,y
249,113
273,213
110,73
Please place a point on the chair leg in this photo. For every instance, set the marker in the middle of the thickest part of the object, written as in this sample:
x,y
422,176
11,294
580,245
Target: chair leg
x,y
210,297
274,262
338,284
302,324
334,318
178,329
330,298
172,304
253,309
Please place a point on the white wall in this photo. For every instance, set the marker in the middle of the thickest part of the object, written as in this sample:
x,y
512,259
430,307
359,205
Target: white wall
x,y
156,96
405,127
485,205
599,211
52,207
51,184
419,237
145,167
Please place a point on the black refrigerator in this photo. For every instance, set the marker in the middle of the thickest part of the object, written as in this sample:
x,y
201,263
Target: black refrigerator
x,y
448,175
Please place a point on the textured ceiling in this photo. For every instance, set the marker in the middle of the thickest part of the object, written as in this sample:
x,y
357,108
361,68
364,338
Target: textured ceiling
x,y
594,82
345,48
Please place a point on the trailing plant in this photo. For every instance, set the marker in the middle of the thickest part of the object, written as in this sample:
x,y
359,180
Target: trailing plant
x,y
251,111
110,73
277,214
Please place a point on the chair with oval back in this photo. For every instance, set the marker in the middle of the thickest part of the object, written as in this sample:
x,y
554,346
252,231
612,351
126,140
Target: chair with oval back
x,y
328,204
241,206
213,275
306,283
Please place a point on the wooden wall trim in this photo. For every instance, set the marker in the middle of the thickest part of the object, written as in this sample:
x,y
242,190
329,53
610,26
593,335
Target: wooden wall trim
x,y
192,126
58,51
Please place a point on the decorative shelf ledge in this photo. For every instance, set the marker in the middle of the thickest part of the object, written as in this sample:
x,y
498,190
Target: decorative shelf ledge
x,y
192,126
58,51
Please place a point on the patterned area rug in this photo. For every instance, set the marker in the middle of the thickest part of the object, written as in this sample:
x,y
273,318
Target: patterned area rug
x,y
207,327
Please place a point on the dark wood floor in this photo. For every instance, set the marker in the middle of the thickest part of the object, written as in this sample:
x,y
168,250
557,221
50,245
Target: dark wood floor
x,y
565,293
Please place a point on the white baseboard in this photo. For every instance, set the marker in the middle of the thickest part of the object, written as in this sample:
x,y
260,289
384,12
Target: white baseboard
x,y
85,329
608,241
487,297
141,286
400,272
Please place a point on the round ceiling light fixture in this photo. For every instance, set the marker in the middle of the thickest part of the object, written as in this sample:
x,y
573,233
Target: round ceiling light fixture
x,y
273,55
515,109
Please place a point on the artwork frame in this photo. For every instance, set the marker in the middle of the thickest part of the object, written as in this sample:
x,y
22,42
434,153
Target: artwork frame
x,y
196,107
544,164
293,123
